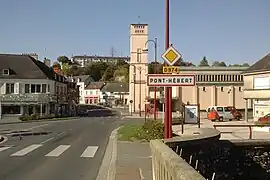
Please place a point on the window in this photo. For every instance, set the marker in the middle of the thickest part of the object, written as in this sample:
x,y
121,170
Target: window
x,y
138,55
220,109
5,72
226,109
44,88
38,88
240,89
48,90
204,89
222,89
11,109
33,88
27,88
9,88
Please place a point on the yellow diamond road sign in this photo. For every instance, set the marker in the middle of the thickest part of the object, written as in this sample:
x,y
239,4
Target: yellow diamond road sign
x,y
171,56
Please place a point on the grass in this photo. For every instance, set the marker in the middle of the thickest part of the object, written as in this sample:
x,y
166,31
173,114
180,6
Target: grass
x,y
150,129
129,132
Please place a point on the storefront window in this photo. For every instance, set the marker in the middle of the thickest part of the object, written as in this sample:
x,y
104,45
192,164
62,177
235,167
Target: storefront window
x,y
11,110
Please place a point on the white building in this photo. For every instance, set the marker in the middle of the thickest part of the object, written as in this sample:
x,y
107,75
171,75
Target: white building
x,y
86,60
83,82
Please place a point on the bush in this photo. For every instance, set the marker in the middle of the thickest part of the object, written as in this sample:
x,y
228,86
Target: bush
x,y
262,123
151,129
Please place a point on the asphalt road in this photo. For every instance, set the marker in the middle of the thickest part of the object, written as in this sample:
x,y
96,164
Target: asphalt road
x,y
72,150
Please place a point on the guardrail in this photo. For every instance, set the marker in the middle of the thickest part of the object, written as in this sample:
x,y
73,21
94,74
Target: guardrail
x,y
168,165
239,125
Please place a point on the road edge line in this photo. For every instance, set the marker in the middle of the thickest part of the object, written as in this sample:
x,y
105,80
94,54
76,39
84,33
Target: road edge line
x,y
107,169
3,139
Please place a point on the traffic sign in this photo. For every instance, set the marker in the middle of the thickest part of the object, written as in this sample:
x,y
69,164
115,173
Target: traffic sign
x,y
171,56
171,69
170,80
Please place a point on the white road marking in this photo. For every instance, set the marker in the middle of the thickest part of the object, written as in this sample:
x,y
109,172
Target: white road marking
x,y
4,148
141,174
27,150
47,140
58,151
36,127
60,134
90,151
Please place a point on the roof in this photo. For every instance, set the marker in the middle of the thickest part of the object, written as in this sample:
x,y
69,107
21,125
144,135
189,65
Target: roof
x,y
261,65
84,78
102,57
26,67
115,87
95,85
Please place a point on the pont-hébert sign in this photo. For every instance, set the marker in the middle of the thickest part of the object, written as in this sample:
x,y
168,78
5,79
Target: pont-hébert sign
x,y
170,80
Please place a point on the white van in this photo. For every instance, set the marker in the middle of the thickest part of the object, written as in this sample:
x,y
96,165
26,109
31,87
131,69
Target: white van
x,y
224,112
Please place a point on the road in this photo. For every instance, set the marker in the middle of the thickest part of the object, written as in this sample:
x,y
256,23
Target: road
x,y
72,150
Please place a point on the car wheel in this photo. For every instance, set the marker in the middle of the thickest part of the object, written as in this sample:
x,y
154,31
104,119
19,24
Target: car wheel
x,y
221,119
230,119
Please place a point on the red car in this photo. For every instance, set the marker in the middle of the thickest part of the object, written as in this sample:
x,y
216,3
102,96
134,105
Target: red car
x,y
265,118
236,114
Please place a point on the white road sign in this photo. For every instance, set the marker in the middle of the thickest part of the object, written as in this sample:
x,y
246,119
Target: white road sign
x,y
170,80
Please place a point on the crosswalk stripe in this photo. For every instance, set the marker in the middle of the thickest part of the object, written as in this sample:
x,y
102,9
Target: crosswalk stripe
x,y
27,150
90,151
4,148
58,151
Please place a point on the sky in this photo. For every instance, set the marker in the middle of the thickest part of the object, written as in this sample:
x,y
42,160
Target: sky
x,y
234,31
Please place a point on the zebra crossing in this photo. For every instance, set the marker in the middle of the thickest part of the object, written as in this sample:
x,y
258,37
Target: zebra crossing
x,y
87,152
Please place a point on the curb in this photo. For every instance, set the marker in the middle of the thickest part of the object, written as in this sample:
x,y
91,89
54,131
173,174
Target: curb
x,y
3,139
107,169
45,120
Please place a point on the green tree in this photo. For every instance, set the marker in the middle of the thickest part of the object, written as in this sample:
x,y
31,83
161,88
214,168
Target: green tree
x,y
219,64
122,74
204,62
63,59
96,70
109,73
245,65
76,71
152,66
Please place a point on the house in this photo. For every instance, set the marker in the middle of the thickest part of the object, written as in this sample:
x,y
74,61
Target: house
x,y
28,86
83,61
92,92
83,81
257,86
115,93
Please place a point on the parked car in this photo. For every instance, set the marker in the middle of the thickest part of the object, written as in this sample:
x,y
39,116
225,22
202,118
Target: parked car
x,y
265,118
221,113
236,114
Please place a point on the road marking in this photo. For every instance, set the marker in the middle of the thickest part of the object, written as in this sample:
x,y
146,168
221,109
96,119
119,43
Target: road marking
x,y
4,148
90,151
27,150
47,140
58,151
60,134
36,127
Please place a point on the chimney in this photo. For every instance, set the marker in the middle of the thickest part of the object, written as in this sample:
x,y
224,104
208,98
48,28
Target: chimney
x,y
47,62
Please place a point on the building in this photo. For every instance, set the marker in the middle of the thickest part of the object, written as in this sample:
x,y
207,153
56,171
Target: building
x,y
83,61
33,55
93,92
83,81
115,93
138,70
73,95
28,86
215,86
257,86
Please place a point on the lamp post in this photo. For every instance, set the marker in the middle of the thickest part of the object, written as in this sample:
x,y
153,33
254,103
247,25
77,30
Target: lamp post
x,y
155,71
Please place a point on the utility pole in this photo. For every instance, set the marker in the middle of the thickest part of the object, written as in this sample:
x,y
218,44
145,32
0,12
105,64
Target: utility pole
x,y
168,90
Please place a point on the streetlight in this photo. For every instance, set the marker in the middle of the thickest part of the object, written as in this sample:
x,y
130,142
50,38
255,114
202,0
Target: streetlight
x,y
155,71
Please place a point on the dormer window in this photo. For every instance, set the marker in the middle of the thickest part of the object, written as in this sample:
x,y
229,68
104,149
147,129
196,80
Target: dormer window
x,y
5,72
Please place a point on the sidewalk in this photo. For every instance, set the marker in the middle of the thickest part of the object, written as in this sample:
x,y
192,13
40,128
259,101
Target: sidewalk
x,y
133,161
229,133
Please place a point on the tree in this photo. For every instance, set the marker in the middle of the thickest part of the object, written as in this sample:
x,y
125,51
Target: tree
x,y
76,71
245,65
219,64
109,73
152,66
96,70
63,59
122,74
204,62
